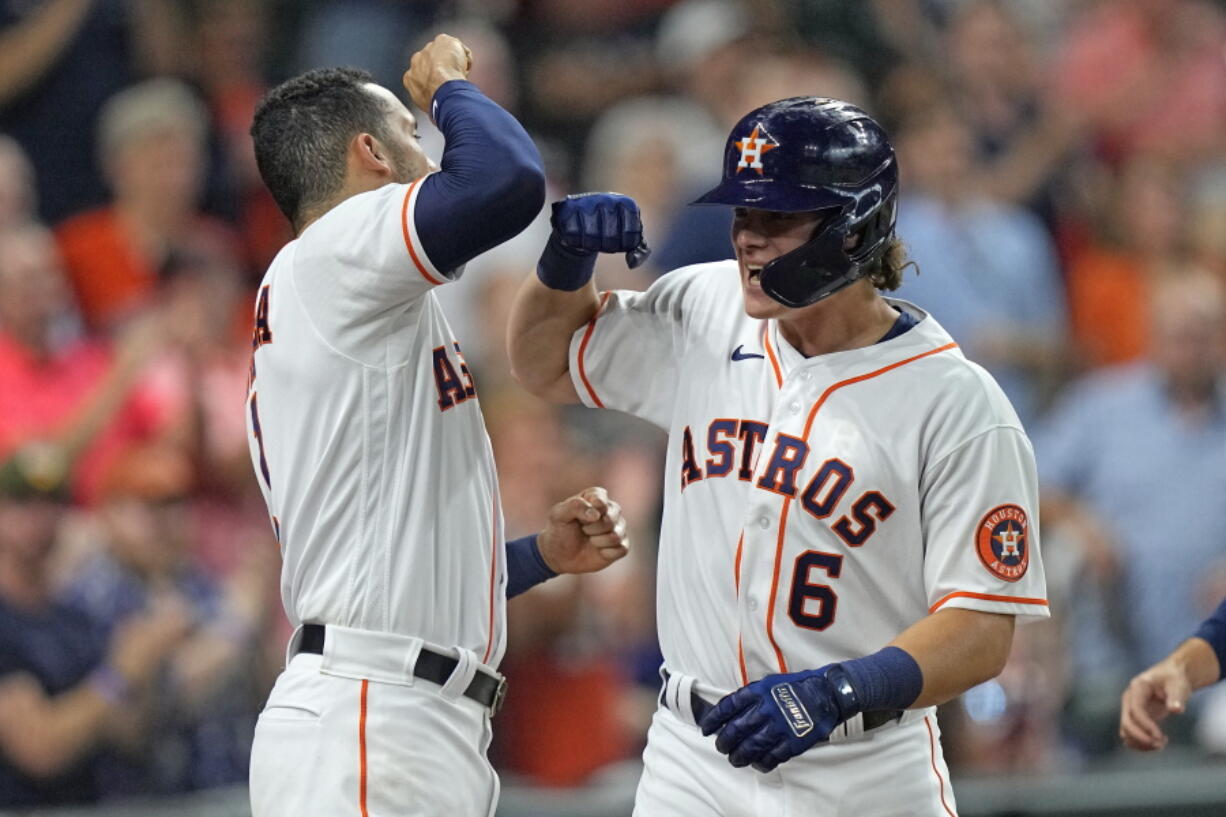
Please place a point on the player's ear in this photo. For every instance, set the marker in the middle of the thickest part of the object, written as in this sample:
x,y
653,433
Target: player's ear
x,y
370,154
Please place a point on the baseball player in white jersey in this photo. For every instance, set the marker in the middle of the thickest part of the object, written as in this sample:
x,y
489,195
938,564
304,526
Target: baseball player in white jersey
x,y
850,504
370,448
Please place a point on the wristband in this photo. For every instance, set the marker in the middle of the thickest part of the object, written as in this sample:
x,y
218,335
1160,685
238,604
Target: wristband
x,y
526,567
888,679
563,268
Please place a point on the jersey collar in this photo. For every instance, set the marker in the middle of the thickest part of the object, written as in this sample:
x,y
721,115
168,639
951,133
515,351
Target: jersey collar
x,y
926,334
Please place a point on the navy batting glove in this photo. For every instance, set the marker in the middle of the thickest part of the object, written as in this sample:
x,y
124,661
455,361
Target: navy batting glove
x,y
778,717
587,224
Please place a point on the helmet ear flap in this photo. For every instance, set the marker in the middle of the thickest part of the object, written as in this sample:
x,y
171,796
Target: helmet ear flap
x,y
875,232
814,270
840,252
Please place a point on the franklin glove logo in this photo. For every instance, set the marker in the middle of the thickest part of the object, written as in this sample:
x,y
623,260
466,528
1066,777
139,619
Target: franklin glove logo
x,y
793,710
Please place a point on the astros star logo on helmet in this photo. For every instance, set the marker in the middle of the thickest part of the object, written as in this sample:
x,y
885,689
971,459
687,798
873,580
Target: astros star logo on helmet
x,y
752,147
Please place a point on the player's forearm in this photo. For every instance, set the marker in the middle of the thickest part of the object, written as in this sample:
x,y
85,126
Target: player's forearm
x,y
541,325
956,649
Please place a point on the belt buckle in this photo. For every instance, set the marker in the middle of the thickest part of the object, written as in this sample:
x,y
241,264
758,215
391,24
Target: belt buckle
x,y
500,695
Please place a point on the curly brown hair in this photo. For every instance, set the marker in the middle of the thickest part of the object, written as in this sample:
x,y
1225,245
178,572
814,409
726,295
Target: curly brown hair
x,y
888,274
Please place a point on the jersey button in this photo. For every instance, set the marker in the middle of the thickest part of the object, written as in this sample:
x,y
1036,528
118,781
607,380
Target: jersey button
x,y
751,603
806,376
794,407
764,522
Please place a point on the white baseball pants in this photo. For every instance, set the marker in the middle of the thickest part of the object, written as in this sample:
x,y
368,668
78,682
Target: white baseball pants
x,y
353,733
893,771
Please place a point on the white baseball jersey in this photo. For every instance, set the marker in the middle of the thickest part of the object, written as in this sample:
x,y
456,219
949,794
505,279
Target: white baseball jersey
x,y
367,439
814,507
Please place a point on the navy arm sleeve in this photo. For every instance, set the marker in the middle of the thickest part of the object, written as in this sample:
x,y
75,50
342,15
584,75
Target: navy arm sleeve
x,y
491,184
526,567
1213,630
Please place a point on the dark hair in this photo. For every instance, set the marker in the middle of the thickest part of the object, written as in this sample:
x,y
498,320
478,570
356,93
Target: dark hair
x,y
891,265
301,130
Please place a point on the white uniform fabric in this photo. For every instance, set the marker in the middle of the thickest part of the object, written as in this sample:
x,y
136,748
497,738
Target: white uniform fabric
x,y
814,508
370,448
683,774
331,741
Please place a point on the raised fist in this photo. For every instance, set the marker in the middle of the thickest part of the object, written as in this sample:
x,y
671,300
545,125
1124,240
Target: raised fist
x,y
601,222
443,59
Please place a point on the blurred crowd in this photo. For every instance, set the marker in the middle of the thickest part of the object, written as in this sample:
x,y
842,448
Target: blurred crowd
x,y
1064,202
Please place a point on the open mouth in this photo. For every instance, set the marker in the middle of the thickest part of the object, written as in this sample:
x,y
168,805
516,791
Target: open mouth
x,y
755,273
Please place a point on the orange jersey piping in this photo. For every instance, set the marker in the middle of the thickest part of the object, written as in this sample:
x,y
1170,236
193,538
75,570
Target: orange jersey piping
x,y
362,751
932,748
408,241
787,501
587,336
986,597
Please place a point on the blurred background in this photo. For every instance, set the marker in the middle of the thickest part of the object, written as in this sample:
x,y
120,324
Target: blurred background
x,y
1064,199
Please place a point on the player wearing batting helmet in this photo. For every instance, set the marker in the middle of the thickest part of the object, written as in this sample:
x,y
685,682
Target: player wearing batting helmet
x,y
849,529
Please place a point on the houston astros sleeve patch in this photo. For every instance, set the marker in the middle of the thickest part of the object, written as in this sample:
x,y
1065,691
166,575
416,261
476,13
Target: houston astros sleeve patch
x,y
1002,540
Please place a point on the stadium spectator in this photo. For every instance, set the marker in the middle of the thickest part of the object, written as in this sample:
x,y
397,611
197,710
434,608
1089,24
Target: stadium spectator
x,y
1023,139
67,691
1132,470
231,39
18,199
68,408
59,61
151,143
987,269
1148,76
197,378
1139,240
201,712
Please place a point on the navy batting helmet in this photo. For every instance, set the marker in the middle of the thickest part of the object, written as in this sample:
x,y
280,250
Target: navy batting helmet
x,y
814,154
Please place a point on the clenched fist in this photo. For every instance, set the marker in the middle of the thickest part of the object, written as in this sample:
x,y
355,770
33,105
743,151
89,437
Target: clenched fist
x,y
585,533
443,59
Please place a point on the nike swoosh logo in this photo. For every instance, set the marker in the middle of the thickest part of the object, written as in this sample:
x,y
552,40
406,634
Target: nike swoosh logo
x,y
737,354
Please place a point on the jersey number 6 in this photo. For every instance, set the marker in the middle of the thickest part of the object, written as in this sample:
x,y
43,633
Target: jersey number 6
x,y
805,592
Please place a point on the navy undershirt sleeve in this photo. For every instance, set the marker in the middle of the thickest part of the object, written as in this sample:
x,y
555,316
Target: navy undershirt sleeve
x,y
1213,630
526,567
491,183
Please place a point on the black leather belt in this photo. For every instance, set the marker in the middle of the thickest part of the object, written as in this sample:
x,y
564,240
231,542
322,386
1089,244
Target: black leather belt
x,y
485,689
699,707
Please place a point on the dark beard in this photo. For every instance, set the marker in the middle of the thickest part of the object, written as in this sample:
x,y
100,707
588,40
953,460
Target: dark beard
x,y
402,165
